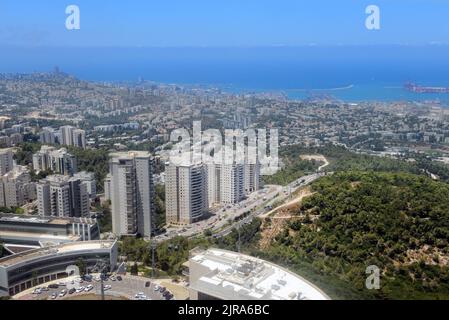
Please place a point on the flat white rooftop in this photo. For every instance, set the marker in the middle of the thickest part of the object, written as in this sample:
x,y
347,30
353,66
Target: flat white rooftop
x,y
129,154
240,277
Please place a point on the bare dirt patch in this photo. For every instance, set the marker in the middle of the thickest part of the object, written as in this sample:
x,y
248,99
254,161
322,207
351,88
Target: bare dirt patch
x,y
427,254
316,157
276,220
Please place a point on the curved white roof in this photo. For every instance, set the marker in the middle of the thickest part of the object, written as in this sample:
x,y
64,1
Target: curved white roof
x,y
237,276
64,248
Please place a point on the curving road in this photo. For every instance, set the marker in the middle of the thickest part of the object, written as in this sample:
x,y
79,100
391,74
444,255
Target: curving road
x,y
223,220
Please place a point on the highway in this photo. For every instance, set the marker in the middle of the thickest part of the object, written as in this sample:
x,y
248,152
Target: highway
x,y
280,197
223,220
221,216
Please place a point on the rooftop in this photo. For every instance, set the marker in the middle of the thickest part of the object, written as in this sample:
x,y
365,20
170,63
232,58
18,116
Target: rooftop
x,y
130,155
43,220
55,250
16,172
240,277
6,150
6,234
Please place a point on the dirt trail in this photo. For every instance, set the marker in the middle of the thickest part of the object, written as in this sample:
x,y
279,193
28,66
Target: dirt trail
x,y
317,157
279,217
289,205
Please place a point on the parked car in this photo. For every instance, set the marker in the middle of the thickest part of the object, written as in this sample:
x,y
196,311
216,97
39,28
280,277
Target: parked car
x,y
37,291
80,289
72,291
53,286
88,277
119,278
53,296
140,296
147,284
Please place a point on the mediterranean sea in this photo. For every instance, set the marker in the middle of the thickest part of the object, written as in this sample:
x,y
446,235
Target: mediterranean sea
x,y
348,73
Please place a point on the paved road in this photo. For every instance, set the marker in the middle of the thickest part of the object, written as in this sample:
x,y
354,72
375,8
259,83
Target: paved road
x,y
256,204
284,194
221,216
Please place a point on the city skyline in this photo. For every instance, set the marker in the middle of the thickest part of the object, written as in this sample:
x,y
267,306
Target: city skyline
x,y
224,150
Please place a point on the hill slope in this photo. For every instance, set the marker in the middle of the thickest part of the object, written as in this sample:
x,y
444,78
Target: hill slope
x,y
396,221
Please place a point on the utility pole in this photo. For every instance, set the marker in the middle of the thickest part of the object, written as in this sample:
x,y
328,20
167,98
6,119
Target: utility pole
x,y
101,266
153,262
102,286
238,242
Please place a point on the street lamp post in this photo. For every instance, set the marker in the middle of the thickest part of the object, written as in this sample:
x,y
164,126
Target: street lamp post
x,y
153,262
102,286
238,242
100,267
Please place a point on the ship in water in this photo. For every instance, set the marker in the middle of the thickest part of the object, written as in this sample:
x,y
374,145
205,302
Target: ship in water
x,y
413,87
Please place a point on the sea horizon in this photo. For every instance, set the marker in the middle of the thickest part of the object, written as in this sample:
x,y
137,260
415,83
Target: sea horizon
x,y
347,73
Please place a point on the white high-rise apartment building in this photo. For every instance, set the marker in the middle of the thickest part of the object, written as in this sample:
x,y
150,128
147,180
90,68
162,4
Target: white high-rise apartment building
x,y
88,178
79,138
185,193
131,192
71,136
213,173
231,183
66,135
62,196
6,161
252,177
59,161
47,135
107,187
16,188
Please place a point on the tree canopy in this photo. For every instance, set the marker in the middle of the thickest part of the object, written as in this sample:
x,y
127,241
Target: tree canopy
x,y
396,221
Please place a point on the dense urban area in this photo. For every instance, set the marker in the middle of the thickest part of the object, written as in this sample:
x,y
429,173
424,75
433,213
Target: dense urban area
x,y
358,184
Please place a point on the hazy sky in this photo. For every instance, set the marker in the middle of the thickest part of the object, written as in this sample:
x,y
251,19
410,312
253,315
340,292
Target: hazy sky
x,y
222,22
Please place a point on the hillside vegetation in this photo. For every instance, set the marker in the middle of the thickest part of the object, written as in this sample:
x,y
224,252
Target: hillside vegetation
x,y
396,221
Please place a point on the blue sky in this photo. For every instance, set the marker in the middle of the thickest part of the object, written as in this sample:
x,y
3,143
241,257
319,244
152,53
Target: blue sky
x,y
222,23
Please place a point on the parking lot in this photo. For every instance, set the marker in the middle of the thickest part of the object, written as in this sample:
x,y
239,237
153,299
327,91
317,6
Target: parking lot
x,y
128,287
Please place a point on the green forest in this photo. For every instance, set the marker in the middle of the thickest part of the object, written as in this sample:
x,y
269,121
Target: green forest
x,y
342,160
396,221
